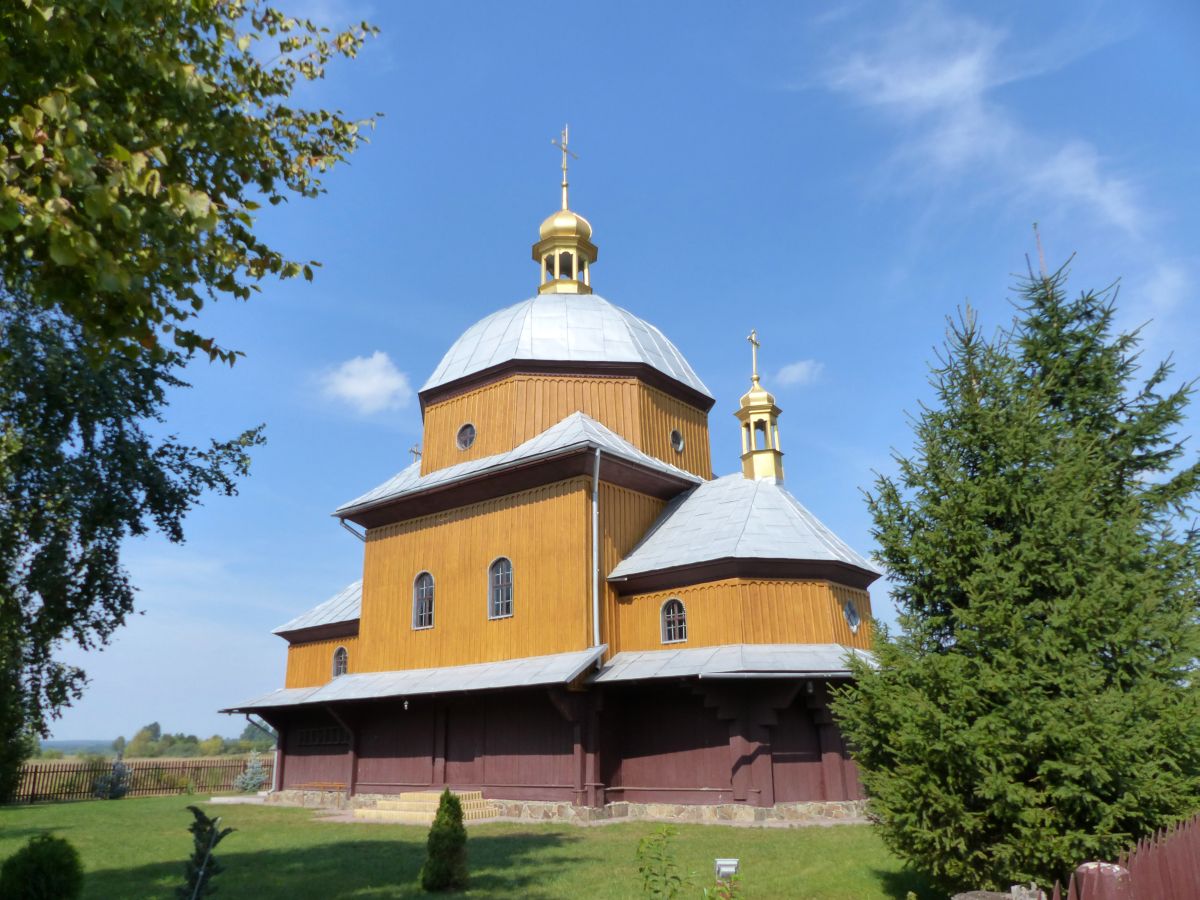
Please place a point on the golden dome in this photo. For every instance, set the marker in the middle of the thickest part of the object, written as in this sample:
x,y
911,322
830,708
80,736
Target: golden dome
x,y
565,223
757,396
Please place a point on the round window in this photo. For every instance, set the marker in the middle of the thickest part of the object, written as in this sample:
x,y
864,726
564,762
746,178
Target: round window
x,y
851,614
677,440
466,436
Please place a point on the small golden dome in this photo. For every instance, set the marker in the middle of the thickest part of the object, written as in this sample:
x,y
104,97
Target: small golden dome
x,y
565,223
757,396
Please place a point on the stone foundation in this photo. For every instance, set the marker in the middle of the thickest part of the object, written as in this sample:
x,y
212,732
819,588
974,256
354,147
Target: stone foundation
x,y
823,813
312,799
814,813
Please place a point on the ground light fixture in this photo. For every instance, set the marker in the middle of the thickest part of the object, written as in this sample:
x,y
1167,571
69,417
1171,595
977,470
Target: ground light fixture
x,y
725,868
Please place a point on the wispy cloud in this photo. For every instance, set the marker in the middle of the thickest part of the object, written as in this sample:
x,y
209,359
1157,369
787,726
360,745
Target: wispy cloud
x,y
368,384
800,373
935,73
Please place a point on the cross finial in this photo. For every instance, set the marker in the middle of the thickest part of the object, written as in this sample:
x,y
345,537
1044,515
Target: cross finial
x,y
415,450
754,345
562,145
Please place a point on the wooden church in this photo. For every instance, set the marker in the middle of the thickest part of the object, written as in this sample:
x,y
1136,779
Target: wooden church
x,y
560,602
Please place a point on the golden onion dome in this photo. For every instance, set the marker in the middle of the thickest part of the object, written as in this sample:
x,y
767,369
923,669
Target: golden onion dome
x,y
757,396
565,223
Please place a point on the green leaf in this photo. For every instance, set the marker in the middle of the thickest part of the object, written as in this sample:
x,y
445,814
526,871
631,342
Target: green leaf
x,y
62,252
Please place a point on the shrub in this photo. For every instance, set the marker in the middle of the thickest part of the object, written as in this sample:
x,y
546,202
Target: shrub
x,y
446,863
253,777
200,869
114,784
47,868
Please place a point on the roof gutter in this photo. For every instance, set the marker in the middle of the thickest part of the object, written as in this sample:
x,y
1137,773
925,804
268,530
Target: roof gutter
x,y
722,676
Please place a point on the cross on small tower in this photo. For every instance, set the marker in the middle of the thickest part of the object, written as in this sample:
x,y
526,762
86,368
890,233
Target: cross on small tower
x,y
415,450
562,145
754,345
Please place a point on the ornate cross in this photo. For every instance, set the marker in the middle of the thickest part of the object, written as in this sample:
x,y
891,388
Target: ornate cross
x,y
562,145
415,450
754,345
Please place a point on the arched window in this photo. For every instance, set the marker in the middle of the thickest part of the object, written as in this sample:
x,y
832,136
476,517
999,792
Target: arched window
x,y
674,622
423,601
500,589
341,662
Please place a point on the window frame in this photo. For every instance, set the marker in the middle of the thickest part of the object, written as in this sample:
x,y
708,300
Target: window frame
x,y
421,598
459,442
679,626
491,588
852,615
345,662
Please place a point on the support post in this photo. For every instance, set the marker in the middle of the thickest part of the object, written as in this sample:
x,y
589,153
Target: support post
x,y
439,746
351,752
592,760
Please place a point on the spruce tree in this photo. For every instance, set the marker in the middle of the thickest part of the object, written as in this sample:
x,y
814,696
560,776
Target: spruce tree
x,y
446,848
1038,706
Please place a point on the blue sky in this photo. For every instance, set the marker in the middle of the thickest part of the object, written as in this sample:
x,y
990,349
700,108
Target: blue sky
x,y
840,177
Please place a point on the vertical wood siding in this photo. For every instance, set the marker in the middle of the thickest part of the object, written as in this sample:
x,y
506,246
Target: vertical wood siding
x,y
748,611
625,517
509,412
660,414
310,664
544,531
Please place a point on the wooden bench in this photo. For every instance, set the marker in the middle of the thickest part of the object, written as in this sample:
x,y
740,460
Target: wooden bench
x,y
319,786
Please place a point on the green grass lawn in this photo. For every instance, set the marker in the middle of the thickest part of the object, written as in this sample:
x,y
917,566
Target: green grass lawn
x,y
135,848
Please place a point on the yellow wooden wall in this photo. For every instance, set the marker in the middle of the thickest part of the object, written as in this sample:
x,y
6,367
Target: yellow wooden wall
x,y
625,517
544,531
310,664
509,412
746,611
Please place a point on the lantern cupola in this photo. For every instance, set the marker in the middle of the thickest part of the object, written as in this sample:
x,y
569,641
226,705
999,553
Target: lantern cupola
x,y
565,251
759,417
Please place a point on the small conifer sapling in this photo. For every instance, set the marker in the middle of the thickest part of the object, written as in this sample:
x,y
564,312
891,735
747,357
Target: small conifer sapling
x,y
446,860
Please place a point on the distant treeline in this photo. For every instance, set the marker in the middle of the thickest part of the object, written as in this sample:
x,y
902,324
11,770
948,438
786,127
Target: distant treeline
x,y
149,742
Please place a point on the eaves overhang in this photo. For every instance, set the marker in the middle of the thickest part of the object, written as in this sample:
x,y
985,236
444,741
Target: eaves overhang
x,y
558,669
511,477
320,632
643,371
742,567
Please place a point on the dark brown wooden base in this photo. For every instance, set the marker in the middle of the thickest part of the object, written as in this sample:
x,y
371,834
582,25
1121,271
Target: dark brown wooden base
x,y
754,742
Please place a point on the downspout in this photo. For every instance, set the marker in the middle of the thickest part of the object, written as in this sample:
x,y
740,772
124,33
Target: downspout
x,y
596,551
361,537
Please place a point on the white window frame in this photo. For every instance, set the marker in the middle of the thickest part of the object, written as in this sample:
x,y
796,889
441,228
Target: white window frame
x,y
491,604
345,662
415,599
662,621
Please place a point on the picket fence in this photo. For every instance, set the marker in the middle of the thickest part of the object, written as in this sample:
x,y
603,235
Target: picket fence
x,y
147,777
1164,866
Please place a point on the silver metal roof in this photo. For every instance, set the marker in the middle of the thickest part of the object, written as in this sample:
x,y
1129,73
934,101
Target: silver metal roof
x,y
563,328
731,661
344,606
740,518
559,668
576,430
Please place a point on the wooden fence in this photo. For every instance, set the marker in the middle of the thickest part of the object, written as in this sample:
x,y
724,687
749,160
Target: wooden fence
x,y
1164,866
147,777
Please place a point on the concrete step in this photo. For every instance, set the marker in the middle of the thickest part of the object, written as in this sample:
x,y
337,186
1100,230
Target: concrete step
x,y
420,807
435,796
